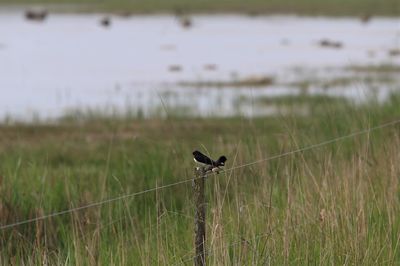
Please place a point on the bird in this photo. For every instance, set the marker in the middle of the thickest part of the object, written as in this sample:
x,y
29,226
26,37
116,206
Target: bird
x,y
207,162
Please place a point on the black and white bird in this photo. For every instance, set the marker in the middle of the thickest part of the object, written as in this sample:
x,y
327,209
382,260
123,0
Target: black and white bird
x,y
207,162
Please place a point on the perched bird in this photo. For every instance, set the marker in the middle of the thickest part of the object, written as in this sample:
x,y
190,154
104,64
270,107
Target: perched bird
x,y
207,162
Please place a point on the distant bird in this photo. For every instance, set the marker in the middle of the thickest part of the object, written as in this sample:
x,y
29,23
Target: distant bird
x,y
330,44
209,163
105,22
36,14
186,22
366,18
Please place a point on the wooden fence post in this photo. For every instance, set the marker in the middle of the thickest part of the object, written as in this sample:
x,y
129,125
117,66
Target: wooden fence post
x,y
199,216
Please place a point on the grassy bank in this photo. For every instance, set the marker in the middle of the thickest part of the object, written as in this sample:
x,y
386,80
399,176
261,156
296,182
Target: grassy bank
x,y
336,204
305,7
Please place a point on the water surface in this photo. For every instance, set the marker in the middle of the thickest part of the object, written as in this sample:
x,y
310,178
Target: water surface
x,y
70,62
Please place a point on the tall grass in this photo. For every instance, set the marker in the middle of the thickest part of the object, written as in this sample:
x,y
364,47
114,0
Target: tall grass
x,y
336,204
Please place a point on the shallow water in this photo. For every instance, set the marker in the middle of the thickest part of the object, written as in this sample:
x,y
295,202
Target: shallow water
x,y
70,62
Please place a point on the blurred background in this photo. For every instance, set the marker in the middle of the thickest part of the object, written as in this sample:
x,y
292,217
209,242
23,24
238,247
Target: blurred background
x,y
192,58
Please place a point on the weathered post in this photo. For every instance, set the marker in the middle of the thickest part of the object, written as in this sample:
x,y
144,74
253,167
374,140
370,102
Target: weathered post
x,y
199,216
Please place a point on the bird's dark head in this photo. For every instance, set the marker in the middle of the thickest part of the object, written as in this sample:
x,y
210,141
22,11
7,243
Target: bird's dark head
x,y
222,160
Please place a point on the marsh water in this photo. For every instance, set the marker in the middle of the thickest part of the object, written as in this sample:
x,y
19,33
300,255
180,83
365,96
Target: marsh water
x,y
150,65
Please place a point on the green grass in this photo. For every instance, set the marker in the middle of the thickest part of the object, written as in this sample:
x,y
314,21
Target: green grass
x,y
308,7
337,204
